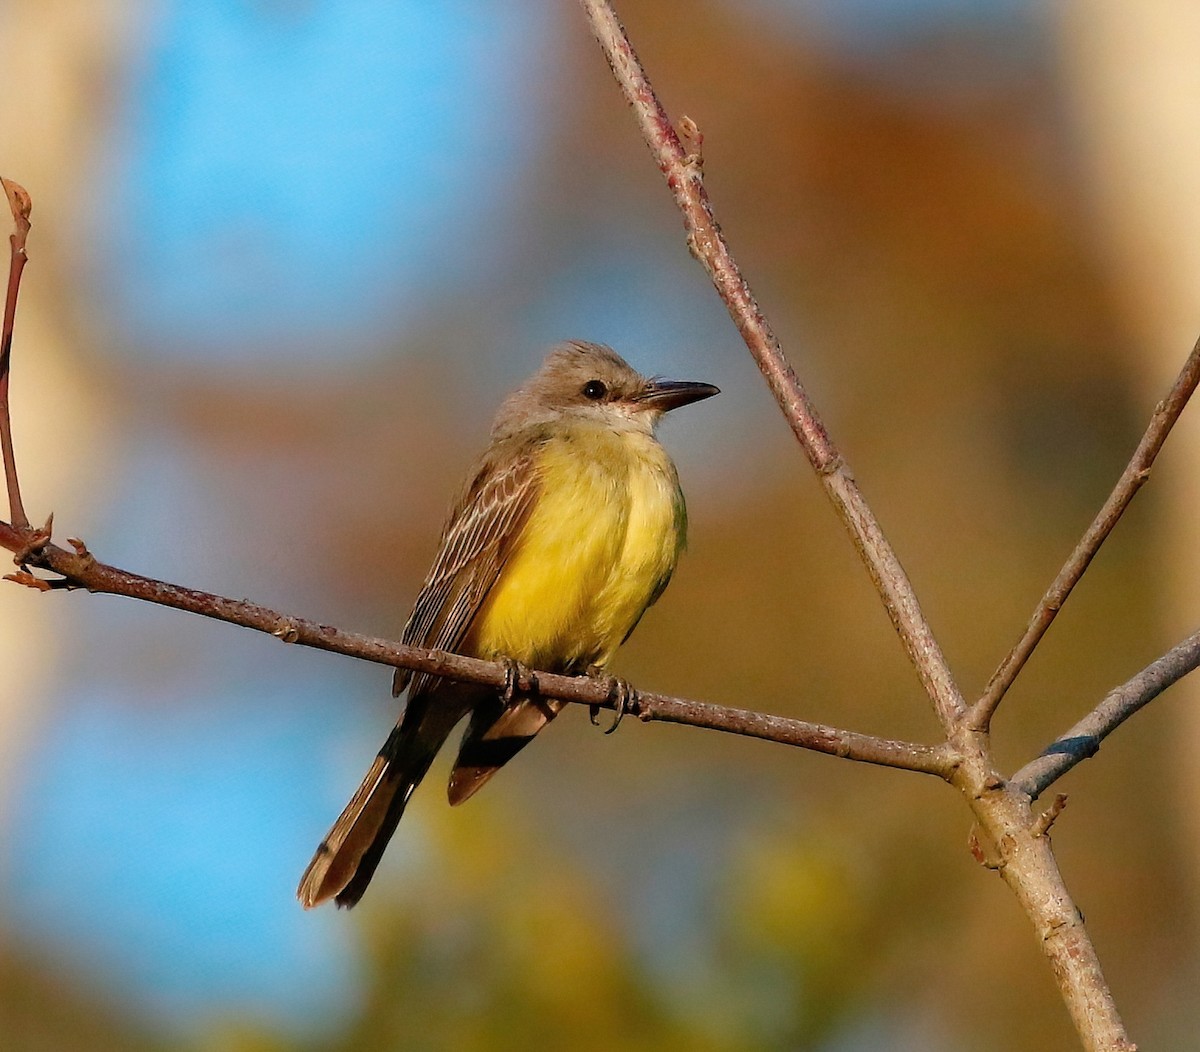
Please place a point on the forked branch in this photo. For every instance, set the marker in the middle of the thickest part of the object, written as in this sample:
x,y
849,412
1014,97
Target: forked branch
x,y
1022,852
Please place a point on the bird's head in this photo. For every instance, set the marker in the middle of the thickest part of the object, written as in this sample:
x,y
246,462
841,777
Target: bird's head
x,y
591,381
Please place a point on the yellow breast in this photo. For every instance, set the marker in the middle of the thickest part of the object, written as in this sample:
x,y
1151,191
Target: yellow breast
x,y
598,548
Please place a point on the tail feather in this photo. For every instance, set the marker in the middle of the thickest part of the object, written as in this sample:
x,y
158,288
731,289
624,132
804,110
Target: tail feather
x,y
362,829
494,736
369,860
346,859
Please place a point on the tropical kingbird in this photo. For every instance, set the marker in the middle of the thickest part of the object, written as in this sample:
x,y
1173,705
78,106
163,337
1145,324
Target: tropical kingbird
x,y
567,530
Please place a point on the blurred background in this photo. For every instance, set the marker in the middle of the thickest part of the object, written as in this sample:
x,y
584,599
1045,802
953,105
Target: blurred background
x,y
287,257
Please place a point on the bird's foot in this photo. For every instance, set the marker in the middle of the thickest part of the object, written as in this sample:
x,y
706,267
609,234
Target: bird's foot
x,y
513,673
624,699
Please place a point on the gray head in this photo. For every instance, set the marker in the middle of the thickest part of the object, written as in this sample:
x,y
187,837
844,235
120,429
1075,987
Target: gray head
x,y
591,381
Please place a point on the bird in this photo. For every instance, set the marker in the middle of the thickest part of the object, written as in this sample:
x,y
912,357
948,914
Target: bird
x,y
567,529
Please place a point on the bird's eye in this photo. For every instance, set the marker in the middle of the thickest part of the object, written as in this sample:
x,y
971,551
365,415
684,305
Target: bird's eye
x,y
595,390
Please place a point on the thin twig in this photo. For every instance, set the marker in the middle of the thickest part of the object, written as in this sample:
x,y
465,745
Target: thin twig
x,y
19,203
1083,740
683,172
1132,478
1043,822
80,569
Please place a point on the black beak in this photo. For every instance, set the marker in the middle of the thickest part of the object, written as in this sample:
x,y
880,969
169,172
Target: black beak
x,y
664,395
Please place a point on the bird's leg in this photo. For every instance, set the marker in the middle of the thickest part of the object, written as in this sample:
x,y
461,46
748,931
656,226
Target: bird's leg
x,y
513,671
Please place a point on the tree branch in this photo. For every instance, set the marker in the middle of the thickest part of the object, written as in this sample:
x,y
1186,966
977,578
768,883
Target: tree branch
x,y
79,569
1019,844
1083,740
1026,861
683,172
1136,472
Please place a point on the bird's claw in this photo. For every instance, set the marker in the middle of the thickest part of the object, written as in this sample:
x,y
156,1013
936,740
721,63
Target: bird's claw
x,y
624,699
